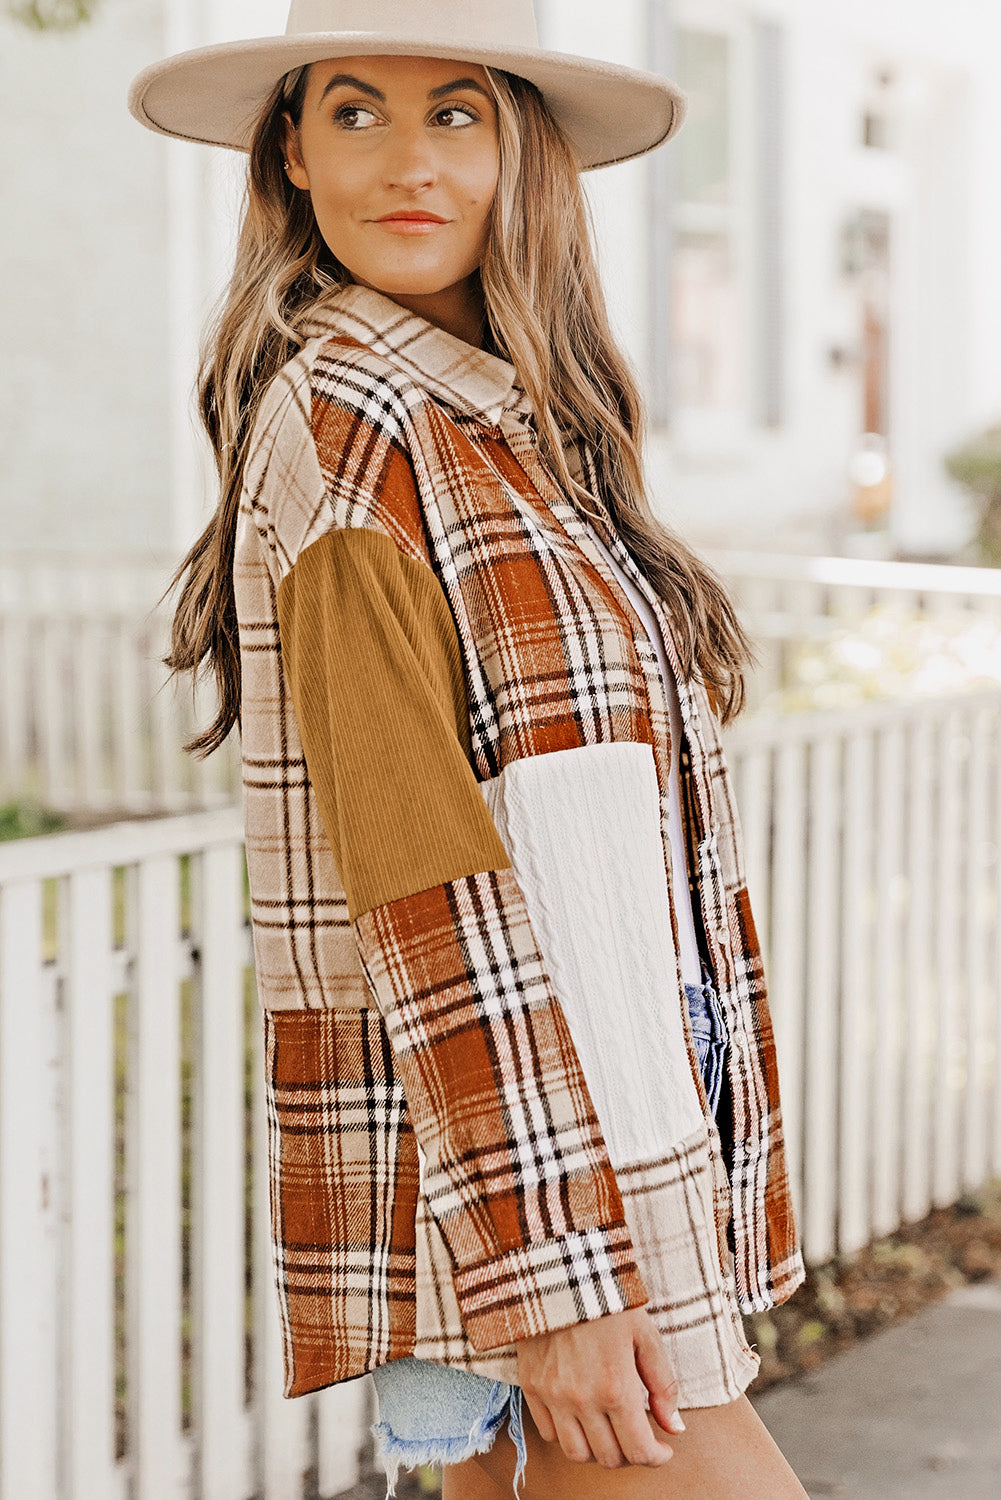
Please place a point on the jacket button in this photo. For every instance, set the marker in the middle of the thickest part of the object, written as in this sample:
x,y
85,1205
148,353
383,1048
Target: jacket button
x,y
722,937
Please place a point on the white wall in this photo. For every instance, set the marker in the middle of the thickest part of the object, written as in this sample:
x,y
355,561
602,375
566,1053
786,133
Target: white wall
x,y
113,242
83,337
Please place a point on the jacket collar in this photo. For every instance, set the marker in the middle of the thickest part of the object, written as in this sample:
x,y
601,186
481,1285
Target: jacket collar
x,y
465,377
453,371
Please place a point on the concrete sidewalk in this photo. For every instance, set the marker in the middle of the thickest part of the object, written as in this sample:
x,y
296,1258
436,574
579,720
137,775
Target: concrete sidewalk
x,y
911,1414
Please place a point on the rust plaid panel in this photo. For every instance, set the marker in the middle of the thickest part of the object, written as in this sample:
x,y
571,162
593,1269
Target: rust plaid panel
x,y
547,1285
344,1181
516,1173
552,660
386,424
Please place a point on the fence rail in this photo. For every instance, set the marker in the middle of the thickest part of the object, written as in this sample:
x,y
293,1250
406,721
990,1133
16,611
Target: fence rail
x,y
89,723
89,726
139,1349
787,600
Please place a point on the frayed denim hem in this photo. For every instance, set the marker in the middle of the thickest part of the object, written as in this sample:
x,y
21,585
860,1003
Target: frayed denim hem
x,y
412,1453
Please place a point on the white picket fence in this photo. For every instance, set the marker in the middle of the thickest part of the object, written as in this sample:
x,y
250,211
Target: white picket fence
x,y
88,721
873,849
135,1280
129,1033
88,724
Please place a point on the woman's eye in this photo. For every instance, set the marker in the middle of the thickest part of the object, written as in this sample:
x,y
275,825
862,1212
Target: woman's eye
x,y
351,109
348,115
457,109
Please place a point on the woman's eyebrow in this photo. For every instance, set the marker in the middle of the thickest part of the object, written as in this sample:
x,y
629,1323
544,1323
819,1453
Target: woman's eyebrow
x,y
353,82
369,88
457,83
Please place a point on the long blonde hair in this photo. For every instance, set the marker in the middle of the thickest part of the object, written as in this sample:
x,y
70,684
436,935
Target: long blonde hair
x,y
545,312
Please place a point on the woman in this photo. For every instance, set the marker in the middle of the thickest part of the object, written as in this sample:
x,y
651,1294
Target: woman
x,y
525,1136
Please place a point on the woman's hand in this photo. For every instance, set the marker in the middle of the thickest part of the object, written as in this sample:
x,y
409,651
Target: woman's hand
x,y
586,1387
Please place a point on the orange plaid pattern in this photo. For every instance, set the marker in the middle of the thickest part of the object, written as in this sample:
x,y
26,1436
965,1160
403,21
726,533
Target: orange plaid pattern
x,y
440,1181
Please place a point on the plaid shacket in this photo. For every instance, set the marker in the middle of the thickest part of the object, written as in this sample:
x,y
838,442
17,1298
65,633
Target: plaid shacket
x,y
486,1117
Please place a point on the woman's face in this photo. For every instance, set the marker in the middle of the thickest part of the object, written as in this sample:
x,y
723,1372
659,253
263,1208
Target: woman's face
x,y
395,135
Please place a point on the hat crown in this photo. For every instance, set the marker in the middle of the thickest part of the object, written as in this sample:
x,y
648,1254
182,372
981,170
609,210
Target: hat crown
x,y
466,22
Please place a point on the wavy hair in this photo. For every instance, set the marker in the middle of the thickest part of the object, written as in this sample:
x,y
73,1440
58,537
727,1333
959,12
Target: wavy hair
x,y
546,314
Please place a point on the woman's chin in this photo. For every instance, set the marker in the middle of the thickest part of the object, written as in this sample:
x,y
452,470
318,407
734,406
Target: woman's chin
x,y
411,282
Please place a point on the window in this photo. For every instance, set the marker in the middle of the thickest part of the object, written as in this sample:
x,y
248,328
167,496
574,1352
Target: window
x,y
715,211
705,319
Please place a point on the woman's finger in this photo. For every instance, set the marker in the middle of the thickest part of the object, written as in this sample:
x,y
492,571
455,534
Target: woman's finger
x,y
541,1416
658,1376
602,1441
637,1437
572,1438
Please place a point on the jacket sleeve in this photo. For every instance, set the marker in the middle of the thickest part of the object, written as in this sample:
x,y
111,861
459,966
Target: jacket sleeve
x,y
517,1174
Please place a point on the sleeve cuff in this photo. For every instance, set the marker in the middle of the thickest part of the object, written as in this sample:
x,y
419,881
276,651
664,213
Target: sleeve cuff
x,y
551,1284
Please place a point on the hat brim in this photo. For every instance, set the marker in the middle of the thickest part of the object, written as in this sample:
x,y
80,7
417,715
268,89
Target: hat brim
x,y
215,95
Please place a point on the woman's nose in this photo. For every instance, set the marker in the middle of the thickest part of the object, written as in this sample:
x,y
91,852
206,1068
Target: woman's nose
x,y
409,162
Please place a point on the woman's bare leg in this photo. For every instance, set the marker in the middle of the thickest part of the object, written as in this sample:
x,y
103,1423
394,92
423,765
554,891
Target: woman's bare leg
x,y
468,1481
727,1453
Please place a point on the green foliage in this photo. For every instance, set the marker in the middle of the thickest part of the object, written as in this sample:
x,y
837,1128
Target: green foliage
x,y
977,464
25,820
51,15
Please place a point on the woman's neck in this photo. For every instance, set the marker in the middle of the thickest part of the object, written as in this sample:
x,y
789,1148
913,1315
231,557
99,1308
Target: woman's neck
x,y
459,309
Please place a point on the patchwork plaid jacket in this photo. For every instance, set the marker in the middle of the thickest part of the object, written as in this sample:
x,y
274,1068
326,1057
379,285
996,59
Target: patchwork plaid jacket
x,y
486,1117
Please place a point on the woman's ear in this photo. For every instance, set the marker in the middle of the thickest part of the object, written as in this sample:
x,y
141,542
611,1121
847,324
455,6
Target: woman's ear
x,y
295,171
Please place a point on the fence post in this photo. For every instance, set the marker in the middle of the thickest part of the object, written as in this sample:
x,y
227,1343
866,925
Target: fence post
x,y
787,946
819,1218
918,1036
28,1266
218,1168
89,1420
858,995
980,978
951,869
153,1222
891,886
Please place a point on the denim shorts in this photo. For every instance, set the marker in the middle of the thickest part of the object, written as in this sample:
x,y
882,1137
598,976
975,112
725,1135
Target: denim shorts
x,y
433,1414
437,1414
709,1033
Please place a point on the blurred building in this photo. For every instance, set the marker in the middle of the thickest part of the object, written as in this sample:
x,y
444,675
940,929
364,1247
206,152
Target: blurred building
x,y
805,278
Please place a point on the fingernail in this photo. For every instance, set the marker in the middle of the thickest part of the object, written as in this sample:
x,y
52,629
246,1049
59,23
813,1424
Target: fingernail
x,y
676,1424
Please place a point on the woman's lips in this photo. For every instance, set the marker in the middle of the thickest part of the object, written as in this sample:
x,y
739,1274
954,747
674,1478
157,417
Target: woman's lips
x,y
409,226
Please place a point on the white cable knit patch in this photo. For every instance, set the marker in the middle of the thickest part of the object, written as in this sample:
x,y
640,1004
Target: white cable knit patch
x,y
581,828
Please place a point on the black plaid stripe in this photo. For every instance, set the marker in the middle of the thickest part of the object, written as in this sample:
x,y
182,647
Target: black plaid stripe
x,y
576,673
342,1151
549,1284
590,669
464,995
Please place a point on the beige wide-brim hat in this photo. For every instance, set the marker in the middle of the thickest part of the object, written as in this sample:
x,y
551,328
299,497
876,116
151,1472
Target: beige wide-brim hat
x,y
215,95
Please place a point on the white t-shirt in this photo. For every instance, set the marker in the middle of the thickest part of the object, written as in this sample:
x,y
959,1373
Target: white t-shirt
x,y
691,966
